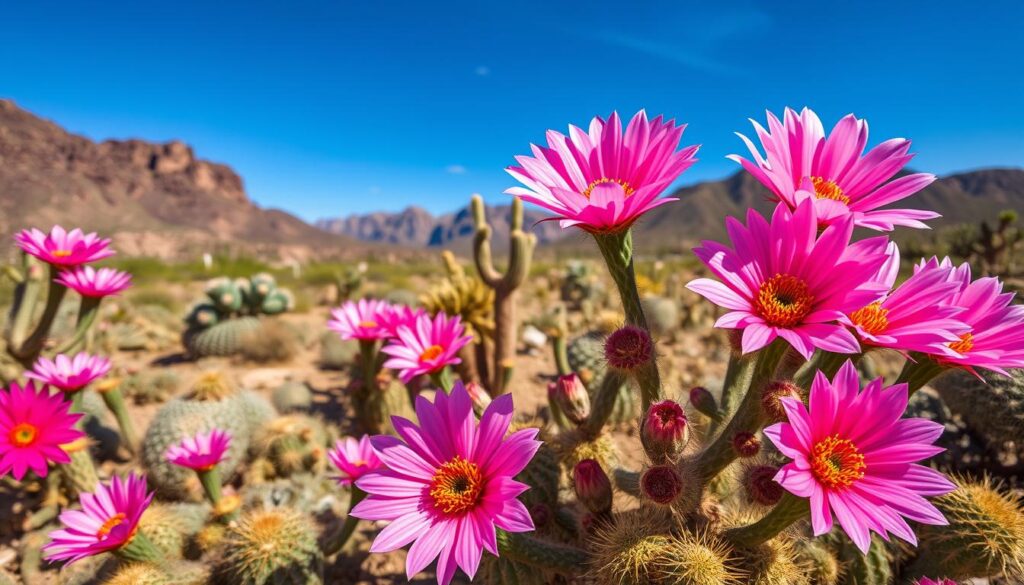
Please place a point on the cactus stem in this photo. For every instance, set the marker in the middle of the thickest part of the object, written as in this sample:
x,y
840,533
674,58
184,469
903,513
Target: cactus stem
x,y
368,363
114,399
87,313
749,416
790,509
559,348
140,549
443,379
918,370
26,297
540,553
336,541
737,380
627,481
826,362
29,351
603,405
210,479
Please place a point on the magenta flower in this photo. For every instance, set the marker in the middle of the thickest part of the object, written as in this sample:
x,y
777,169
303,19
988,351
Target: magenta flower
x,y
427,346
108,520
995,338
854,456
783,280
63,248
801,163
602,181
69,374
90,282
360,319
927,581
353,458
202,452
33,426
448,483
398,316
911,317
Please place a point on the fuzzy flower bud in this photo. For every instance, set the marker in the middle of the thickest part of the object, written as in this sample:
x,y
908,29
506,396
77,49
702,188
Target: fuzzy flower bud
x,y
664,431
759,482
481,399
771,399
593,488
704,402
628,348
746,444
661,484
572,398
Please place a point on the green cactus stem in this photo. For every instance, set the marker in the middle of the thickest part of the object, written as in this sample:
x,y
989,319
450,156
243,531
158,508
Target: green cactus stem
x,y
87,313
26,298
918,371
140,549
521,245
542,554
737,380
112,396
825,362
749,416
443,379
336,541
603,404
617,249
790,509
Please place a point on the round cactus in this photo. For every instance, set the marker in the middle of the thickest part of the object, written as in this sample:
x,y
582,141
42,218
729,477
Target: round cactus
x,y
993,405
171,526
293,444
292,397
337,353
151,388
202,315
223,339
225,295
662,316
587,358
276,546
277,302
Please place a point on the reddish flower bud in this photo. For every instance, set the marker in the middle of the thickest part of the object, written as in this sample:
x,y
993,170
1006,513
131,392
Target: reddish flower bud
x,y
746,444
704,402
593,488
661,484
761,486
628,348
664,431
481,399
771,399
572,399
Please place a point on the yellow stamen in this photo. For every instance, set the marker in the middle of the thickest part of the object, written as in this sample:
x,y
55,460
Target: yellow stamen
x,y
431,353
625,186
965,344
456,486
873,318
61,253
111,523
368,324
837,463
23,435
783,300
824,189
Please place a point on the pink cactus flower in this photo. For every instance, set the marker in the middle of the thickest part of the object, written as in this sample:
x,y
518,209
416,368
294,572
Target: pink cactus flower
x,y
69,374
927,581
201,452
782,279
353,458
398,316
448,483
63,248
361,319
91,282
995,338
802,163
108,520
33,426
912,316
426,347
855,457
602,181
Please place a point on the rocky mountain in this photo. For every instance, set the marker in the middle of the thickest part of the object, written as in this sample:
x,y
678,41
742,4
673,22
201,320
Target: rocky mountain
x,y
154,199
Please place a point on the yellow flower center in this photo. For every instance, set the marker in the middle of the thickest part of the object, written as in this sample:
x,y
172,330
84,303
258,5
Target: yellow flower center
x,y
61,253
965,344
367,324
431,353
110,524
625,186
824,189
836,463
456,486
23,435
783,300
872,318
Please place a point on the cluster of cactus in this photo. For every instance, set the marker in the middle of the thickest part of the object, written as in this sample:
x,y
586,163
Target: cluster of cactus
x,y
580,286
289,445
222,324
991,249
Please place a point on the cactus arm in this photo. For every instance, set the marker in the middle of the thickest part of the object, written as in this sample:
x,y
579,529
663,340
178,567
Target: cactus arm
x,y
333,543
559,348
482,244
87,313
26,298
452,266
30,349
737,381
790,509
627,481
918,372
541,554
604,403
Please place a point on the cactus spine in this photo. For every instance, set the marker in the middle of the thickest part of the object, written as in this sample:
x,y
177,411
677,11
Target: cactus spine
x,y
272,547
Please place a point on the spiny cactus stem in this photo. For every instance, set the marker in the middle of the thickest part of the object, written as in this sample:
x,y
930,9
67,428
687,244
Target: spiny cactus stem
x,y
749,416
560,349
826,362
916,374
87,313
541,554
443,379
26,297
29,351
210,479
368,364
50,504
114,399
603,405
336,541
627,481
737,380
790,509
140,549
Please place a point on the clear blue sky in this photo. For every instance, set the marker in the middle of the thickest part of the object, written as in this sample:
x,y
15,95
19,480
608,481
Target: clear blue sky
x,y
336,107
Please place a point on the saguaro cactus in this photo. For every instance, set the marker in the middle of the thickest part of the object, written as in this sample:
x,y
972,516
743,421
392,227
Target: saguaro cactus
x,y
505,285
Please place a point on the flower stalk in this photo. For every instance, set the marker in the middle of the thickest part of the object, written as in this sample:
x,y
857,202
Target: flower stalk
x,y
337,540
789,510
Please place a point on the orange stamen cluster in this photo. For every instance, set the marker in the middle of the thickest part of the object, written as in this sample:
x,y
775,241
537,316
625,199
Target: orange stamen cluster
x,y
457,486
61,253
965,344
111,523
368,324
824,189
431,353
783,300
625,186
873,318
23,435
836,463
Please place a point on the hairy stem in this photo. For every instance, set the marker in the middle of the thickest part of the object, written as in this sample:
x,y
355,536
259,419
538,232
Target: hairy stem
x,y
603,405
542,554
790,509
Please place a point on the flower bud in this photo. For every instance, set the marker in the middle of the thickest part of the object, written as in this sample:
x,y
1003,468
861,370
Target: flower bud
x,y
661,484
771,399
664,431
481,399
746,444
572,399
759,482
704,402
628,348
593,488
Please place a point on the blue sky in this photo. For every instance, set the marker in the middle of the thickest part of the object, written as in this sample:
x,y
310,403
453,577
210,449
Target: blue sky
x,y
330,108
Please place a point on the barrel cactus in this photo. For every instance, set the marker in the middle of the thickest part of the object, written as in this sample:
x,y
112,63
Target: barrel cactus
x,y
272,547
219,325
992,404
